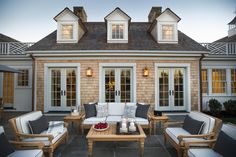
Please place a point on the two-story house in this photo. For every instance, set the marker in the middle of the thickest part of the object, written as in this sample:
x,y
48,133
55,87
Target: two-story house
x,y
117,60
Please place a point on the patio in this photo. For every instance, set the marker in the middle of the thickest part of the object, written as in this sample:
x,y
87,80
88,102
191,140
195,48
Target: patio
x,y
77,144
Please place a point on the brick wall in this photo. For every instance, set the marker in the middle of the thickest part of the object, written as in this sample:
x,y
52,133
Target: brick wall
x,y
145,86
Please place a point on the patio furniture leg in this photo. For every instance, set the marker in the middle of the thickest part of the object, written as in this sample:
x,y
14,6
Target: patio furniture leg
x,y
141,147
90,148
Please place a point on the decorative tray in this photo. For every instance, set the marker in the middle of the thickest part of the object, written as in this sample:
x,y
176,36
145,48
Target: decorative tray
x,y
118,125
103,129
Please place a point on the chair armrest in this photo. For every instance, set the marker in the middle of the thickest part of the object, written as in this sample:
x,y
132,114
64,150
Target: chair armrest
x,y
189,144
66,124
173,123
82,116
28,145
182,137
50,137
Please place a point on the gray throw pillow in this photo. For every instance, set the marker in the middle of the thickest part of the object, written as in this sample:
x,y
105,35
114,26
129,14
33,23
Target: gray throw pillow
x,y
142,110
6,147
90,110
192,126
225,145
102,110
39,125
130,111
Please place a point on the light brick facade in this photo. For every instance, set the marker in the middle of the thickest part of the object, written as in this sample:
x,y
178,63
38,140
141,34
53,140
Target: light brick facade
x,y
145,86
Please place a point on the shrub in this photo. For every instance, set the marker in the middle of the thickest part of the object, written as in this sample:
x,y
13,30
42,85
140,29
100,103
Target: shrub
x,y
230,106
215,106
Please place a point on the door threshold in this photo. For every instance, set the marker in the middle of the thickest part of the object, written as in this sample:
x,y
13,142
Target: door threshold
x,y
57,113
175,112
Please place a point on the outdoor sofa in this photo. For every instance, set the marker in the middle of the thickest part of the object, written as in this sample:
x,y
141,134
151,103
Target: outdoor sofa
x,y
52,136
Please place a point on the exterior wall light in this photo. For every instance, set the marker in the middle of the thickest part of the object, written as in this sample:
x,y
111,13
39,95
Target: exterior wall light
x,y
145,72
89,72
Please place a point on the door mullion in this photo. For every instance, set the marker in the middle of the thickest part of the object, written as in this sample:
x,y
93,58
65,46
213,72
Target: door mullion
x,y
63,88
117,84
171,87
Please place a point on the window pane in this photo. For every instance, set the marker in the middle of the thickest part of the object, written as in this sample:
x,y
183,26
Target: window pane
x,y
117,31
233,80
204,81
23,78
67,32
167,32
218,80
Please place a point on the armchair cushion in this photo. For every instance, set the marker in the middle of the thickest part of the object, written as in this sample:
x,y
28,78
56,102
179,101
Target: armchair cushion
x,y
90,110
201,152
39,125
27,153
142,110
192,126
6,147
224,141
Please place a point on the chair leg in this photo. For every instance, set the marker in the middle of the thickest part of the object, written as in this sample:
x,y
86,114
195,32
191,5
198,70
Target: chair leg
x,y
50,152
179,152
164,138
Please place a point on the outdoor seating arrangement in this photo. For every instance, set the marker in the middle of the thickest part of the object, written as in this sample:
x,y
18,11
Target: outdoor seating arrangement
x,y
34,127
113,112
223,146
24,149
196,126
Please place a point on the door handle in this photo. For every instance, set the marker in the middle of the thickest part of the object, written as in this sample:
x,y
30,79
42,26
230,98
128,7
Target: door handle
x,y
173,92
118,93
170,92
64,92
61,92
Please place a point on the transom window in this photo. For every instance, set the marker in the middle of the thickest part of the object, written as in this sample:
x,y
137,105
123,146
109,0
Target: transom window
x,y
218,81
67,31
167,32
23,78
233,81
117,31
204,81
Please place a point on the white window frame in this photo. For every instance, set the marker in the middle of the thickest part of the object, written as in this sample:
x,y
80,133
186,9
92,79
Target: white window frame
x,y
109,32
75,32
72,35
29,77
207,92
234,94
162,34
160,24
119,34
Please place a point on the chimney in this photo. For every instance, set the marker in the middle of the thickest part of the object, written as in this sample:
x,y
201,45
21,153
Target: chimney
x,y
80,12
154,13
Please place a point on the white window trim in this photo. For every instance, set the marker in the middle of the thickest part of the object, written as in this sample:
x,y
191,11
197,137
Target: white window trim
x,y
63,25
115,65
188,86
173,32
160,36
109,32
29,68
75,32
46,86
123,31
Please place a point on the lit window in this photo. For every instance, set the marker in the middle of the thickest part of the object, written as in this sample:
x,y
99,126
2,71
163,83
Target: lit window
x,y
23,78
167,32
218,80
117,31
233,80
67,32
204,81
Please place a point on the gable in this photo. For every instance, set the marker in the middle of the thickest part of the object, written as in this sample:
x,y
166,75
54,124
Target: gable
x,y
168,15
117,15
66,15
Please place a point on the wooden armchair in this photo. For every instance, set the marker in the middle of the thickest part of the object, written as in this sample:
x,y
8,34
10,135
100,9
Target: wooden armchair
x,y
179,137
50,139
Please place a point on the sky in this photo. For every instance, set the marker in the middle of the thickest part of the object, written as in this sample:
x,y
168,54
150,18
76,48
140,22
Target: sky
x,y
32,20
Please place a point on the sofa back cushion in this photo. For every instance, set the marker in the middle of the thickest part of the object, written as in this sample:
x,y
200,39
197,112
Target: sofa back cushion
x,y
90,110
209,122
142,110
102,110
39,125
193,126
22,122
130,110
116,109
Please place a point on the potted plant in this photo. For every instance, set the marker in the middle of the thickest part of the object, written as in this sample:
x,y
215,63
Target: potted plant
x,y
215,107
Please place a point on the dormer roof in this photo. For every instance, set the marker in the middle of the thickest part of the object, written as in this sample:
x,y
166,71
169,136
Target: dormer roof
x,y
120,12
63,12
233,22
169,11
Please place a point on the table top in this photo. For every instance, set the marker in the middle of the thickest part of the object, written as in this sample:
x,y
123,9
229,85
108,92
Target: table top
x,y
110,133
73,117
163,117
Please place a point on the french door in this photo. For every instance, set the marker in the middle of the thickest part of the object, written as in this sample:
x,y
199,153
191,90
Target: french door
x,y
171,89
62,89
8,89
117,85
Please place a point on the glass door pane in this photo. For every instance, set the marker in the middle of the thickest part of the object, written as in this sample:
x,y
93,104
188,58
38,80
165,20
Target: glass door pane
x,y
178,87
8,88
110,85
163,87
125,85
56,88
70,87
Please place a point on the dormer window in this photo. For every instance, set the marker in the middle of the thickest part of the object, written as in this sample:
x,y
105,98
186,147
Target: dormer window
x,y
67,31
117,31
167,32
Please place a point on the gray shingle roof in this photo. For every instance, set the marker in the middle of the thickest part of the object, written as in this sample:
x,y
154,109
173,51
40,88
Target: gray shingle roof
x,y
4,38
95,39
233,21
227,39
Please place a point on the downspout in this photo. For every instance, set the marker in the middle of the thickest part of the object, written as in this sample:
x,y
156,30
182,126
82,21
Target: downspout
x,y
33,82
200,75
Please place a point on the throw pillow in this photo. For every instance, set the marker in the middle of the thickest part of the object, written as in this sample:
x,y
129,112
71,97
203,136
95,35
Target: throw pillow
x,y
6,147
102,110
90,110
225,145
142,110
192,126
130,111
39,125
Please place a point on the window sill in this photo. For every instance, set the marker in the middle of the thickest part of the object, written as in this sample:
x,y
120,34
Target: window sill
x,y
23,87
117,41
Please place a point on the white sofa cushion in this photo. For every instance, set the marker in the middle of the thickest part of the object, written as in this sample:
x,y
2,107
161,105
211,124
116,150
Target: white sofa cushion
x,y
230,130
201,152
93,120
27,153
22,122
175,132
116,109
113,119
141,121
209,122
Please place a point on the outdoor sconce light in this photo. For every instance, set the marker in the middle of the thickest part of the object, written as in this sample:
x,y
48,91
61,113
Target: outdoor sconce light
x,y
89,72
145,72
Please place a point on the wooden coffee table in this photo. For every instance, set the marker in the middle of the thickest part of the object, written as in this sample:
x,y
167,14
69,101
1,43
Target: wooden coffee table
x,y
110,135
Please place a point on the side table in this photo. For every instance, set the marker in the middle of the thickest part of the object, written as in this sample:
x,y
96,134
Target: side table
x,y
73,118
155,119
